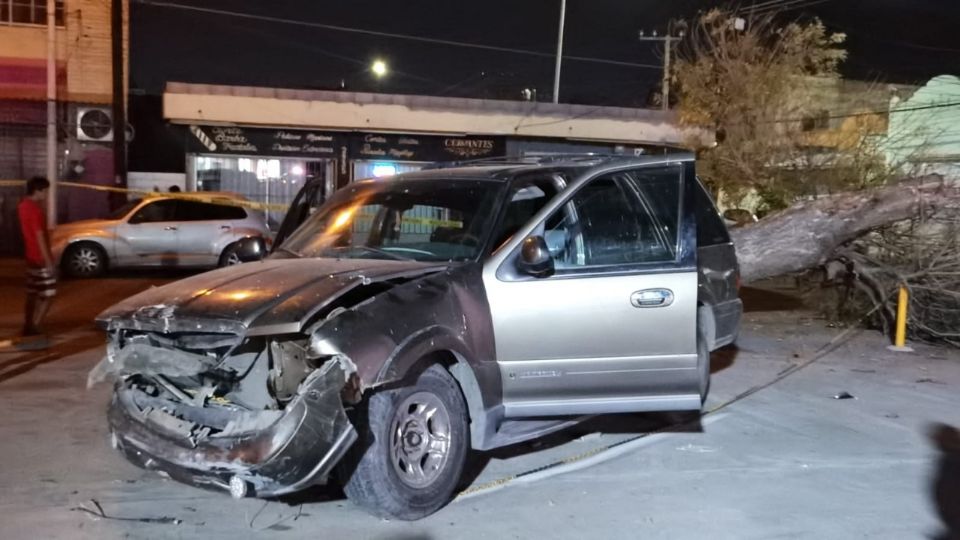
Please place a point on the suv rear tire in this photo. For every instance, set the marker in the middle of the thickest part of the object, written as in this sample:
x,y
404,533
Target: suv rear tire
x,y
411,448
84,260
229,257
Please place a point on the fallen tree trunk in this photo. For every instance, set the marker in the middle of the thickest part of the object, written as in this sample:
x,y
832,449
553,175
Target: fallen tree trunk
x,y
805,235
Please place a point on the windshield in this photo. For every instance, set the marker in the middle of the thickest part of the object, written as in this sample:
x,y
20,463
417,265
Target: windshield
x,y
124,210
422,220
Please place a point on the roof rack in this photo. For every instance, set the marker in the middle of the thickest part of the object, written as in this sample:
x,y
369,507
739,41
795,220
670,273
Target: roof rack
x,y
525,160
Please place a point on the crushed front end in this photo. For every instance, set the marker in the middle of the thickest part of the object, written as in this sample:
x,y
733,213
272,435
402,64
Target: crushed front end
x,y
255,416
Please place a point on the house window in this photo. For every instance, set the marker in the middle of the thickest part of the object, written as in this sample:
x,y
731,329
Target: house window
x,y
815,121
29,12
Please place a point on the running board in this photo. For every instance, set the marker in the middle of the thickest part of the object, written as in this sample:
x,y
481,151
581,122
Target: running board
x,y
514,431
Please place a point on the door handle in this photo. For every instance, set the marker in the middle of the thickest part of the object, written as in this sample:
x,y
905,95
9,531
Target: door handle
x,y
651,298
170,228
224,227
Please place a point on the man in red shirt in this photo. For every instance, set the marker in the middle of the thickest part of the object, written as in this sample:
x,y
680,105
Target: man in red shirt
x,y
41,278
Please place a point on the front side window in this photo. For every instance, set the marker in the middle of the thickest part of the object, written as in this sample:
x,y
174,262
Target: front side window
x,y
525,200
425,220
156,212
121,212
619,219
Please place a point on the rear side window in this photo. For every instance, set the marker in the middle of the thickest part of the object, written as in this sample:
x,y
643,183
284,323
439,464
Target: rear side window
x,y
710,228
228,212
200,211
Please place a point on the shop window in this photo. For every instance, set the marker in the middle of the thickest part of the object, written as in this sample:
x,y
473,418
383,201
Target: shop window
x,y
274,181
29,12
382,169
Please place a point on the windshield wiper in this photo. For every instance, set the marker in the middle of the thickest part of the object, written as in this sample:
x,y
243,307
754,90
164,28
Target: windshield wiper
x,y
384,252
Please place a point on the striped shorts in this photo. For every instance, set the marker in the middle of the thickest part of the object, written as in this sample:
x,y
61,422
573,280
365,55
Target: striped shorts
x,y
41,282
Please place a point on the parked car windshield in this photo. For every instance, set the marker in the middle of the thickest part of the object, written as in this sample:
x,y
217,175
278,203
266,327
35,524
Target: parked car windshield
x,y
125,209
422,220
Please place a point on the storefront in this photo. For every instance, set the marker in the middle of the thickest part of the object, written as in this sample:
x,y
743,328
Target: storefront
x,y
232,144
271,165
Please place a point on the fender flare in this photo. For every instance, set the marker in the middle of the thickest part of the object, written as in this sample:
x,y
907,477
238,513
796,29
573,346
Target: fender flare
x,y
484,415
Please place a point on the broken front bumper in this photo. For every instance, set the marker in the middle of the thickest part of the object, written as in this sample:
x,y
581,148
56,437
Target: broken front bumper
x,y
294,452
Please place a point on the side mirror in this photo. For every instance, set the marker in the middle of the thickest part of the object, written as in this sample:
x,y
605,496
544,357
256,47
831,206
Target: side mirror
x,y
535,258
250,249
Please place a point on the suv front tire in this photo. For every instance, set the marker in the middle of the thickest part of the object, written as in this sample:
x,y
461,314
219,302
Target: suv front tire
x,y
411,448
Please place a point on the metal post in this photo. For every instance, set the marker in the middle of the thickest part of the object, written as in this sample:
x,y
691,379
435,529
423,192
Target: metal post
x,y
119,97
556,71
667,55
52,113
900,335
666,72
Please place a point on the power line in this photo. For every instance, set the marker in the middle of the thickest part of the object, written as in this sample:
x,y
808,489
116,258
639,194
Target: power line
x,y
307,47
774,6
864,113
758,7
873,37
788,6
391,35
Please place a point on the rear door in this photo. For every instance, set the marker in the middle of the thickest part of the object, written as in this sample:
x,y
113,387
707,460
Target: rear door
x,y
150,235
205,230
614,329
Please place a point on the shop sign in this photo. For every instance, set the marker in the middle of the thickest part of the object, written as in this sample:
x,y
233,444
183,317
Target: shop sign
x,y
262,142
318,145
388,147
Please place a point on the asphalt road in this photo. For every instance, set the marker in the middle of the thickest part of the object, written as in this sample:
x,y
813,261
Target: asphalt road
x,y
787,460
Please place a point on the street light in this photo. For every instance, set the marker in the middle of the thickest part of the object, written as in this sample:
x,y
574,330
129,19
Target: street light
x,y
379,68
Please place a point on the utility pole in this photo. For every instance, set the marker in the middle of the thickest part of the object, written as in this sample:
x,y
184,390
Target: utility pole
x,y
556,71
667,55
52,113
119,98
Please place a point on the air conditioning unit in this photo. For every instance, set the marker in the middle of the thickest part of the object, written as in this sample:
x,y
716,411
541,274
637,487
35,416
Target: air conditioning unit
x,y
94,124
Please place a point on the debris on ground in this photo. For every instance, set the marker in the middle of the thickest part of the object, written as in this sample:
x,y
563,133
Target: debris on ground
x,y
98,513
844,395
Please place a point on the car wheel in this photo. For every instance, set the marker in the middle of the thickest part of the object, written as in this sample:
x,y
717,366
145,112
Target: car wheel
x,y
703,366
411,447
85,260
230,255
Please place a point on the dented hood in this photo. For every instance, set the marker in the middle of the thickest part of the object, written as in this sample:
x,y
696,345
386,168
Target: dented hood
x,y
266,297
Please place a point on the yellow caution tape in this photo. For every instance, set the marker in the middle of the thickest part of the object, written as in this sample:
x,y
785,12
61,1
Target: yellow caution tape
x,y
228,201
187,196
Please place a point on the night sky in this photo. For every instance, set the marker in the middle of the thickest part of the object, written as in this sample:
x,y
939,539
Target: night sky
x,y
888,40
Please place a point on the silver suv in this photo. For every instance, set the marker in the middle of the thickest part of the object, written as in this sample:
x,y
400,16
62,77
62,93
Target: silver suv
x,y
159,231
408,321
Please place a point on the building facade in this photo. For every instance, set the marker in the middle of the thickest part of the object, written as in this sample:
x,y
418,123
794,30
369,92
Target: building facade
x,y
924,134
84,96
266,143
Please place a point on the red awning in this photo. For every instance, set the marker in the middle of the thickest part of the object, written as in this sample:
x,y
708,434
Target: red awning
x,y
26,78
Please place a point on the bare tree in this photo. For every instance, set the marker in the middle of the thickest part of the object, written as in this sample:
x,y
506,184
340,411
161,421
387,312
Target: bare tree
x,y
755,84
842,201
